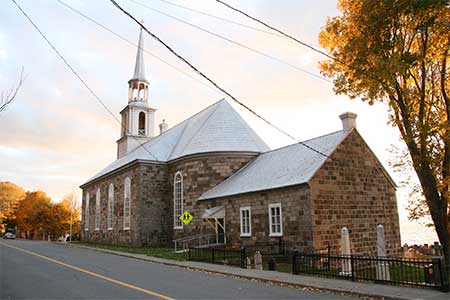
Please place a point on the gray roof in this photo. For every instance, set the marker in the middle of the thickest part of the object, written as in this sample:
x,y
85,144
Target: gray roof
x,y
217,128
291,165
139,68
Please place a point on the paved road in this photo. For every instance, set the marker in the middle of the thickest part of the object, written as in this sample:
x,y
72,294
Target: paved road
x,y
41,270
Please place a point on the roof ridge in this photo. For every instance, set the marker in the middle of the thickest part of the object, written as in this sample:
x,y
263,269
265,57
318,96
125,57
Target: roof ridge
x,y
256,138
305,141
173,128
189,121
198,129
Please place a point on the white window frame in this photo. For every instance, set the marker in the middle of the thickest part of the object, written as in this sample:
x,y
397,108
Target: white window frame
x,y
110,206
242,223
86,212
271,233
177,223
97,209
127,195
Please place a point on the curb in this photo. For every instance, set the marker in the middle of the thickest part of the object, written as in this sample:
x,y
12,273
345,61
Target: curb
x,y
263,280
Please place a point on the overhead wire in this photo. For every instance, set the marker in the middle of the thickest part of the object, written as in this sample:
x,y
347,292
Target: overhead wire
x,y
134,44
195,69
276,30
368,74
232,41
77,75
220,18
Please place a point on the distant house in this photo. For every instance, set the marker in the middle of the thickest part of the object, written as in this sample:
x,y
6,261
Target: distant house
x,y
214,166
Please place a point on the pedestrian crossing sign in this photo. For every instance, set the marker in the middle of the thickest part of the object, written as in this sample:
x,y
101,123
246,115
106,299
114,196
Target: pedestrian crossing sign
x,y
186,217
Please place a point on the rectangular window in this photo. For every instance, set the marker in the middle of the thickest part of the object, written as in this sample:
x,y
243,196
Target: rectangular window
x,y
246,221
275,220
86,213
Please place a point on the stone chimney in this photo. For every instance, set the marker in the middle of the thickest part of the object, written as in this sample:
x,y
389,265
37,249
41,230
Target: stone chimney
x,y
348,121
163,126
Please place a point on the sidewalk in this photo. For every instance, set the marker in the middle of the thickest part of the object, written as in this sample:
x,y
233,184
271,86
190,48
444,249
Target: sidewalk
x,y
359,289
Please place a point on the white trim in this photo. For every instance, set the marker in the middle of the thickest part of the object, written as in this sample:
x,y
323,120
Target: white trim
x,y
175,217
249,233
275,234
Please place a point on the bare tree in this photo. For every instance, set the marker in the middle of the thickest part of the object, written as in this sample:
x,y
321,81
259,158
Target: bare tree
x,y
8,97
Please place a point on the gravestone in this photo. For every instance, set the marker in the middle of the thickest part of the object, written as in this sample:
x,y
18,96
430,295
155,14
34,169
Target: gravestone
x,y
346,263
382,268
258,261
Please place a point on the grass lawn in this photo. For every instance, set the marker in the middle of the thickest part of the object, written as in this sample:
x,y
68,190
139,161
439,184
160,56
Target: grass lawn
x,y
167,253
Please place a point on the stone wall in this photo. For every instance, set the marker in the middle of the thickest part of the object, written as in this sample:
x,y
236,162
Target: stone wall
x,y
351,190
296,215
200,173
117,235
154,209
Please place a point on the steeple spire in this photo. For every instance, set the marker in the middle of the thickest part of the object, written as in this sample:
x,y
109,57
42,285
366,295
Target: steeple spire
x,y
139,69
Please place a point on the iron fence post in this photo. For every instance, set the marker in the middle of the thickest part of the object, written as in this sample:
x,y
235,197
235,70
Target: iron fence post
x,y
212,255
294,262
440,274
352,267
189,253
243,258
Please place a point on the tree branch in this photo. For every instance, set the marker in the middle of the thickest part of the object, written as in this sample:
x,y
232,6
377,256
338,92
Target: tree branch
x,y
9,98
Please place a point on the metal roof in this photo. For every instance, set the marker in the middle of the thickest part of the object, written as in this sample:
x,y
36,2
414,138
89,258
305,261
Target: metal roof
x,y
291,165
217,128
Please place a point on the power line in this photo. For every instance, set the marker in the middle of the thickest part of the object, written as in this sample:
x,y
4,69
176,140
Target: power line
x,y
211,81
220,18
231,41
77,75
277,30
134,44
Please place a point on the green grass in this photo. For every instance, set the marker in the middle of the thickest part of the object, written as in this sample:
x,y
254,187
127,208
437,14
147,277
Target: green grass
x,y
166,253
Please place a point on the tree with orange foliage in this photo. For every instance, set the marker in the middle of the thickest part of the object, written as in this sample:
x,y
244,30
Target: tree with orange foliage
x,y
10,195
33,214
397,52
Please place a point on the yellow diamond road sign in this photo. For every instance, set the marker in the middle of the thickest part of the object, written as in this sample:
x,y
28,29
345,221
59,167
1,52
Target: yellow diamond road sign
x,y
186,217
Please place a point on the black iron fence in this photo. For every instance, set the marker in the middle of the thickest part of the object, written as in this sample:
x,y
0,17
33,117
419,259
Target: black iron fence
x,y
399,271
219,255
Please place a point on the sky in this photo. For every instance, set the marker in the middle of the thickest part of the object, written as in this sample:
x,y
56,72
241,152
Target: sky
x,y
56,135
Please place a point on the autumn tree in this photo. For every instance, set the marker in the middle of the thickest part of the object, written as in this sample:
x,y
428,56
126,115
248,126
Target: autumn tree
x,y
397,52
10,194
33,214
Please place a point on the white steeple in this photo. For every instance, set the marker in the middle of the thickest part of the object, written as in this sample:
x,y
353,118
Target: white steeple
x,y
139,68
138,120
138,85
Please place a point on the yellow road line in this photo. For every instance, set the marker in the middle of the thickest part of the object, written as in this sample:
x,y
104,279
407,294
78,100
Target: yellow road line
x,y
93,274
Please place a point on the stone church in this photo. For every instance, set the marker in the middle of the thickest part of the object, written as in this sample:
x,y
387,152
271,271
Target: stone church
x,y
238,191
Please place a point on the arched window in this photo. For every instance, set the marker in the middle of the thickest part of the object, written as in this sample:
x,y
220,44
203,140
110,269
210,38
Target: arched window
x,y
141,123
127,204
86,213
110,206
97,210
177,200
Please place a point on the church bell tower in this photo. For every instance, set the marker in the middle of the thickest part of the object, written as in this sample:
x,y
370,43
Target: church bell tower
x,y
138,118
